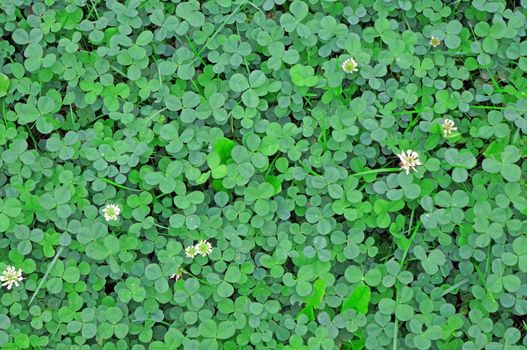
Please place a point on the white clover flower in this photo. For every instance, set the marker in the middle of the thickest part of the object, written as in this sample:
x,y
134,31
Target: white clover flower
x,y
448,127
435,42
179,274
409,160
11,276
204,248
191,251
349,65
111,212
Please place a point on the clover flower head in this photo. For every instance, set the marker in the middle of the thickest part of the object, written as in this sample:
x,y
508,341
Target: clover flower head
x,y
409,160
111,212
191,251
435,42
204,248
349,65
179,274
11,276
448,127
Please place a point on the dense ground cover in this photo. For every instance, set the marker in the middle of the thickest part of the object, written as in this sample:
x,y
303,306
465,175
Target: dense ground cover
x,y
264,174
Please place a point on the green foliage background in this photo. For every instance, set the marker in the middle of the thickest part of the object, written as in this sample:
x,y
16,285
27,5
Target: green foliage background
x,y
232,121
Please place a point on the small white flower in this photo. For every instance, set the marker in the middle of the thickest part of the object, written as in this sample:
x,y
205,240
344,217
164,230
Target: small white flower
x,y
191,251
409,160
448,127
111,212
204,248
435,42
178,274
11,276
349,65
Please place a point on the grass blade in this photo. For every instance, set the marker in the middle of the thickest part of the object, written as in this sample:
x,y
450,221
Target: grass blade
x,y
43,280
405,253
455,286
221,26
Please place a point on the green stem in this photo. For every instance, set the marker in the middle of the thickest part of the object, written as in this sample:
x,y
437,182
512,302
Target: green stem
x,y
407,112
56,330
460,53
196,87
155,113
196,277
483,282
499,108
72,119
455,286
412,124
375,171
270,166
244,58
487,268
411,221
95,9
118,185
221,26
19,14
53,262
119,71
193,49
4,112
405,254
256,7
150,319
159,75
32,137
396,323
309,170
324,136
308,101
406,21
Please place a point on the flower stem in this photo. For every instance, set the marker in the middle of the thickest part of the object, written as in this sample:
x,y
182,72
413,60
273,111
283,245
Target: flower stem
x,y
499,108
196,277
118,185
309,170
407,112
375,171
